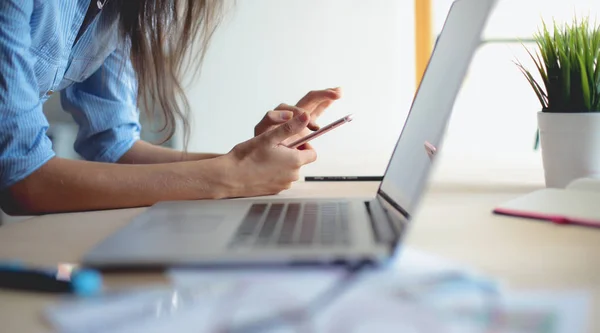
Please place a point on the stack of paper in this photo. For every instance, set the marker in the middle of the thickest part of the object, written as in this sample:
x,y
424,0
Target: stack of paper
x,y
421,294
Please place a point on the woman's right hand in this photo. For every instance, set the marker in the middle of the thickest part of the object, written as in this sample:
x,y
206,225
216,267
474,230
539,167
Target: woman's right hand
x,y
263,166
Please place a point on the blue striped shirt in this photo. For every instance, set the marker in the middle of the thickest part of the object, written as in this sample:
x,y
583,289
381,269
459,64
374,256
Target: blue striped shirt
x,y
38,57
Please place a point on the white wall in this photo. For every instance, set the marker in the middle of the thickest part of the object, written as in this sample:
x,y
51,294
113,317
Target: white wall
x,y
273,51
494,120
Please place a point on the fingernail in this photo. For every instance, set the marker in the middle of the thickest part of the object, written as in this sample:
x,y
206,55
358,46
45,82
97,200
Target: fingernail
x,y
286,115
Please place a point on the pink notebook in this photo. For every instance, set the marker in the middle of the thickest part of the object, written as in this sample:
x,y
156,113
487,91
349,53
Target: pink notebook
x,y
578,203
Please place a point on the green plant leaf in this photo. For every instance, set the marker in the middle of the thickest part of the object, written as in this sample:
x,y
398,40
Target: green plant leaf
x,y
565,78
553,68
596,74
568,61
539,65
596,85
538,91
585,85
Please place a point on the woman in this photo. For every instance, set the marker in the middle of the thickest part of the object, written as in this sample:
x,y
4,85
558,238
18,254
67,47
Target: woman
x,y
107,58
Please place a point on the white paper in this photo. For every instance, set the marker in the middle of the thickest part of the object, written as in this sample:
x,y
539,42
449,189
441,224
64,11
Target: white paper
x,y
420,293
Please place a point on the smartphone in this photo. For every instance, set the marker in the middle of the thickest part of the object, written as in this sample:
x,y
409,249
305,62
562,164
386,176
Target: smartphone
x,y
321,131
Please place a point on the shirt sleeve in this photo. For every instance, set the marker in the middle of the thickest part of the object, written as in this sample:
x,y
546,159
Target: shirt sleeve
x,y
105,108
24,145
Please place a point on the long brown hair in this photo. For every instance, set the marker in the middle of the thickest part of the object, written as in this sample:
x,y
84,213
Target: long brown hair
x,y
161,33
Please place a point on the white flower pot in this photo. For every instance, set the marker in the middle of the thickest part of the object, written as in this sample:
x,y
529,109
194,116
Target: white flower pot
x,y
570,144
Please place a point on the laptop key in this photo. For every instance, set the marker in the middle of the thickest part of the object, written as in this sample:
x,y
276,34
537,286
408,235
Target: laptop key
x,y
309,223
344,226
328,229
252,219
247,228
289,223
270,223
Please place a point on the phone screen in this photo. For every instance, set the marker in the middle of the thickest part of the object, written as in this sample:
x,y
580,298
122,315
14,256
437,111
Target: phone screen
x,y
321,131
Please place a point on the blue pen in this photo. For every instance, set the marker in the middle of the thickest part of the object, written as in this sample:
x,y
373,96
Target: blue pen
x,y
81,282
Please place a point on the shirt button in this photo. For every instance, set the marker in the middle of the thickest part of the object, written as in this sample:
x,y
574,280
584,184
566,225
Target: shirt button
x,y
50,92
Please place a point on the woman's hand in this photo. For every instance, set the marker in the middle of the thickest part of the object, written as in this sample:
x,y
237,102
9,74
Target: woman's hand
x,y
314,103
260,166
263,166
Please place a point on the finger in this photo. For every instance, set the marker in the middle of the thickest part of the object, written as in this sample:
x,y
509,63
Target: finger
x,y
297,111
316,97
305,146
272,119
288,129
321,108
276,117
306,156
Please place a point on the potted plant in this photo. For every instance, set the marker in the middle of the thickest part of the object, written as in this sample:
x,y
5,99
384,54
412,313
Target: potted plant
x,y
567,66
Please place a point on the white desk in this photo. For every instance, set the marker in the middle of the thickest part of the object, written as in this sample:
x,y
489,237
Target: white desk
x,y
455,222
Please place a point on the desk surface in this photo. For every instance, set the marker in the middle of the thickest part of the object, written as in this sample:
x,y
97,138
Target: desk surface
x,y
454,221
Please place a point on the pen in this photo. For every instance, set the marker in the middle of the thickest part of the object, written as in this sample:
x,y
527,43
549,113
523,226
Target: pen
x,y
343,178
81,282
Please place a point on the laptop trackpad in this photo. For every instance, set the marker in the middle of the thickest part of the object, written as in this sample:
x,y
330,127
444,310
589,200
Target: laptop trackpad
x,y
184,222
178,230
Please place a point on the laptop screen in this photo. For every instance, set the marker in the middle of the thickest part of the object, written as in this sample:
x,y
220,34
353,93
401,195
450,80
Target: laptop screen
x,y
409,167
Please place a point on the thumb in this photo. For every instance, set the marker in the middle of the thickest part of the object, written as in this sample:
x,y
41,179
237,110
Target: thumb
x,y
290,128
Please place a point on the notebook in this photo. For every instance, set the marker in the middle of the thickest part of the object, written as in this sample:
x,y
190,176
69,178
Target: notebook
x,y
578,203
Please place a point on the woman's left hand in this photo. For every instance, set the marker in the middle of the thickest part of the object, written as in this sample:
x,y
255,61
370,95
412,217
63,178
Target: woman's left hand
x,y
314,103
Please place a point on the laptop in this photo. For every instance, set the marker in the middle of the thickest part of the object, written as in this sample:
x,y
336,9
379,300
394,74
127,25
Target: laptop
x,y
310,231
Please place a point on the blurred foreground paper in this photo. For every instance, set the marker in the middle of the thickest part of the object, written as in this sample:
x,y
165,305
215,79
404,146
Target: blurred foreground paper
x,y
422,294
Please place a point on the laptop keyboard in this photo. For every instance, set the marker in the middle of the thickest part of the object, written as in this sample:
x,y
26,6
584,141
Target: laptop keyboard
x,y
294,223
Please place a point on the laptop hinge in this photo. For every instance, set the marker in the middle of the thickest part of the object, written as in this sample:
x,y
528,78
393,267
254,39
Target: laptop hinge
x,y
384,230
389,201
